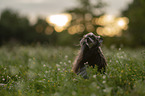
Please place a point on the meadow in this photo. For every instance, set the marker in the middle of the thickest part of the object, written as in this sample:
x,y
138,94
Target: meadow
x,y
46,71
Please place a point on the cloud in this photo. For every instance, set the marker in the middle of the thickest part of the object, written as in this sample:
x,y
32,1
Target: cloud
x,y
31,1
46,7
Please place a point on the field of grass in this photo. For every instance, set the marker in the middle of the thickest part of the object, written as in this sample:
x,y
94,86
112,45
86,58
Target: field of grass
x,y
46,71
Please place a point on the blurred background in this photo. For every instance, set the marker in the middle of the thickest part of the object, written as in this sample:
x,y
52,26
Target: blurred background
x,y
63,22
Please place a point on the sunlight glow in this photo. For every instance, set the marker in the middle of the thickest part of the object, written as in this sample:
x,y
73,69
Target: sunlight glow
x,y
59,21
76,29
111,26
48,30
105,19
121,23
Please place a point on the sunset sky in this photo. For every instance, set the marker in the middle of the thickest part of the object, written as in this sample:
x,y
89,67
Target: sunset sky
x,y
34,8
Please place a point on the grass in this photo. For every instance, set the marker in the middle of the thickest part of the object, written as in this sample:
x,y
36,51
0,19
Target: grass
x,y
46,71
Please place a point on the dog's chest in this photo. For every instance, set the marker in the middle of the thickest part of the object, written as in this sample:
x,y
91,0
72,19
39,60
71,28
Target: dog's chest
x,y
95,58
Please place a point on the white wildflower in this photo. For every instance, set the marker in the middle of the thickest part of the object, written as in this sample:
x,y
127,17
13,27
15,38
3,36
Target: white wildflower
x,y
74,93
93,94
104,82
104,77
94,76
44,65
66,56
69,61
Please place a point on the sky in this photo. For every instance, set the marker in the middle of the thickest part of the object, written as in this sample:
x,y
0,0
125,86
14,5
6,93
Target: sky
x,y
34,8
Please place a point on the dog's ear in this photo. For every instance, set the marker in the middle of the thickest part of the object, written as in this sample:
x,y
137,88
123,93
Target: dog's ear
x,y
100,39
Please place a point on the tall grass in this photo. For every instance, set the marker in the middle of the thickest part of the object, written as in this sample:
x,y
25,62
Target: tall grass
x,y
46,71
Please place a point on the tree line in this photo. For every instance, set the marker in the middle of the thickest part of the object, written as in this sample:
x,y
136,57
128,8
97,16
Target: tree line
x,y
17,29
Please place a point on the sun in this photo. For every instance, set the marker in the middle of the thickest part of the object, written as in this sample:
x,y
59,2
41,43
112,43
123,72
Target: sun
x,y
121,22
59,20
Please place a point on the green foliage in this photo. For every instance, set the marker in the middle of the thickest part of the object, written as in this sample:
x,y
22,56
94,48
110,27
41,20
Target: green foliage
x,y
83,15
16,28
136,15
43,70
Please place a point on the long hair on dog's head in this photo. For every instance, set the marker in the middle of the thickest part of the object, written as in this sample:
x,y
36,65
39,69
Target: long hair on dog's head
x,y
88,43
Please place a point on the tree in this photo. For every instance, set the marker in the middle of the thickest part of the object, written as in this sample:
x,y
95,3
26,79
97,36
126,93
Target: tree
x,y
16,28
44,32
13,26
82,16
136,15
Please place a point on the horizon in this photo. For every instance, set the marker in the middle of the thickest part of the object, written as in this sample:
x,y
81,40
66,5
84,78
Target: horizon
x,y
44,8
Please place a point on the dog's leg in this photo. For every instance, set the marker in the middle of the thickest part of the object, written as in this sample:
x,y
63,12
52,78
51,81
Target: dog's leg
x,y
83,72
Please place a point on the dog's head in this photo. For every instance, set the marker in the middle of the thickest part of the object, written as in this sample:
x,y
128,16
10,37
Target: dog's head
x,y
91,40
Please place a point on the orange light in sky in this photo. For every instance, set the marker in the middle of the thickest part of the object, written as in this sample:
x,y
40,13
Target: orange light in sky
x,y
122,22
59,21
112,26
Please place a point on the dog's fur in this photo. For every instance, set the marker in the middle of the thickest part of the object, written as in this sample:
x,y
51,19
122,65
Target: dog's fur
x,y
91,54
